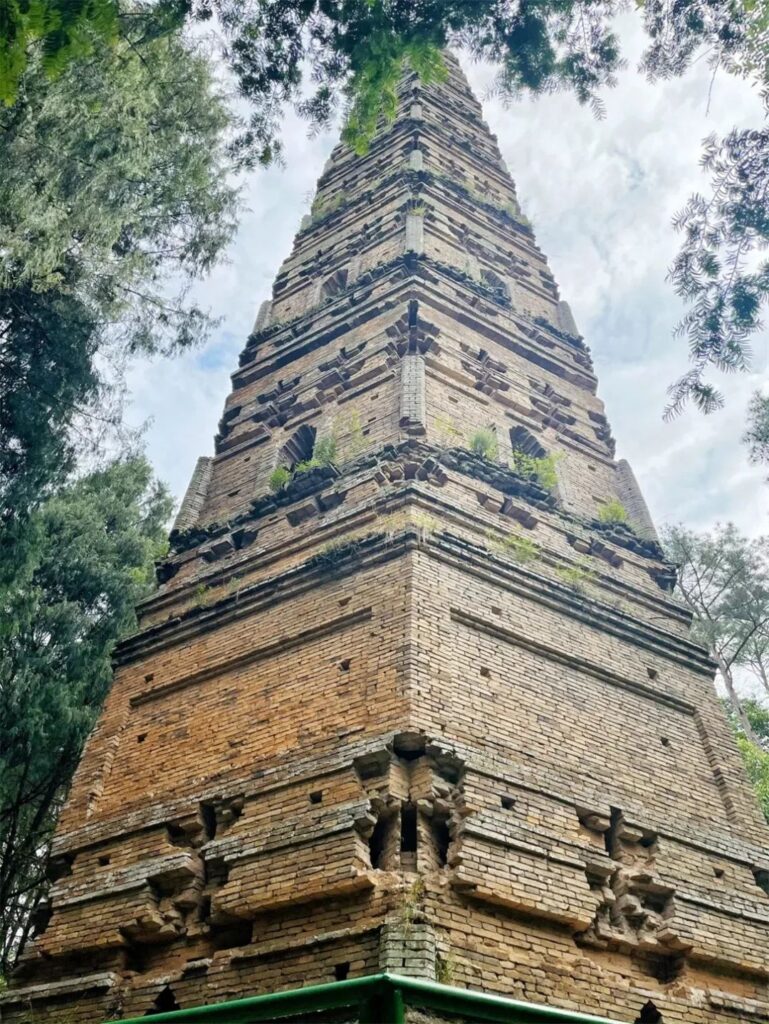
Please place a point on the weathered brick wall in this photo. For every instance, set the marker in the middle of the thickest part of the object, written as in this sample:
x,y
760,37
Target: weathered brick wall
x,y
416,711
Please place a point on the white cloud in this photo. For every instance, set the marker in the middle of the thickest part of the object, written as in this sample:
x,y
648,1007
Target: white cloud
x,y
601,195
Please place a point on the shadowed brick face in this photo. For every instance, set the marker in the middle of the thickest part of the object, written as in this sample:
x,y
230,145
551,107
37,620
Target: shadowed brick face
x,y
420,710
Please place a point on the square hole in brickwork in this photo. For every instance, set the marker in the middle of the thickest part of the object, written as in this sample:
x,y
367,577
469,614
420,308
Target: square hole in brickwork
x,y
718,872
232,936
344,601
377,843
316,797
149,677
209,819
408,828
591,467
507,802
341,971
176,834
495,610
485,672
104,860
344,666
664,741
652,673
141,737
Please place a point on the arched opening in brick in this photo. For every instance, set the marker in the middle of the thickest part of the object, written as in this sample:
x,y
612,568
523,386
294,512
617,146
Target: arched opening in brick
x,y
663,969
40,918
208,817
334,284
441,839
165,1001
649,1014
408,837
522,440
298,448
495,283
379,841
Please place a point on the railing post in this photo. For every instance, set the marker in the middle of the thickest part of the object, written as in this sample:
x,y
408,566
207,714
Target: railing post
x,y
384,1006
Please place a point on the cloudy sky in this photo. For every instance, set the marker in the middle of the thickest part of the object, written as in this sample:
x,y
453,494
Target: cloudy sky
x,y
600,195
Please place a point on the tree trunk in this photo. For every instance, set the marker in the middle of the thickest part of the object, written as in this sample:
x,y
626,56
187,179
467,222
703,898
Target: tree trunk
x,y
760,668
726,675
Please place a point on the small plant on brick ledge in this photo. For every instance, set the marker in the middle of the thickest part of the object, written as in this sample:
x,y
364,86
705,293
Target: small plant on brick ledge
x,y
484,443
323,454
576,576
280,478
337,550
324,206
444,968
412,904
542,470
203,596
522,548
612,512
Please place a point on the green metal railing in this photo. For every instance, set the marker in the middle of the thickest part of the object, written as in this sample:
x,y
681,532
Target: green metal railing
x,y
377,999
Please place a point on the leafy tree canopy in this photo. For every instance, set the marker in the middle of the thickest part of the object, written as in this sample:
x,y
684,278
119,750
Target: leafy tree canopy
x,y
65,28
92,548
320,54
756,436
755,754
113,196
111,179
723,577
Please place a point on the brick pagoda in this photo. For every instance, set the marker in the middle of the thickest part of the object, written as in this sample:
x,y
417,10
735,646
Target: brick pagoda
x,y
414,694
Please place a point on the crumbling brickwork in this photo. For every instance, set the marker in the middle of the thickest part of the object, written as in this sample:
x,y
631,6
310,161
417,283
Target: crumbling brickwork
x,y
418,702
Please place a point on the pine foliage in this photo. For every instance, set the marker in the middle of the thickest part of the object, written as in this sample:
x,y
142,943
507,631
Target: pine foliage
x,y
113,197
91,552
